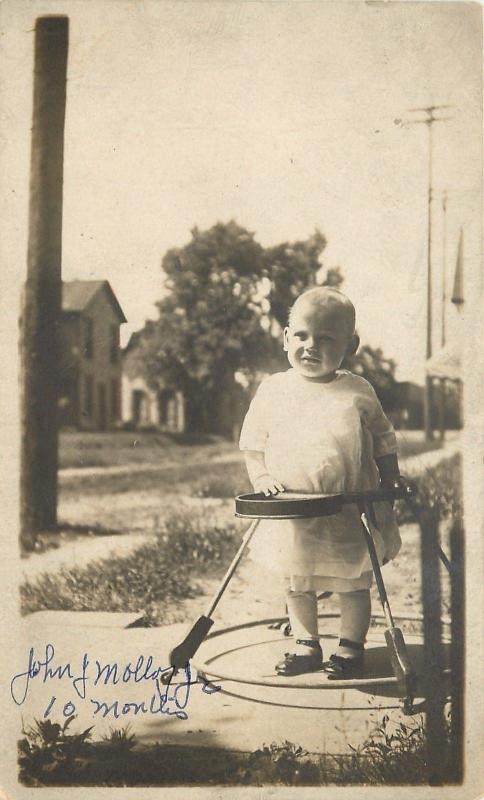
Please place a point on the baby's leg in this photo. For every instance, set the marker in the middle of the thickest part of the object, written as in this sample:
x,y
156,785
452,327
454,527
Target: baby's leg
x,y
306,655
355,620
302,608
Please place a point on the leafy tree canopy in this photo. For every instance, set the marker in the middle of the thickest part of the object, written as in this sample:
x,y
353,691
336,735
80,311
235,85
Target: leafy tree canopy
x,y
210,322
291,268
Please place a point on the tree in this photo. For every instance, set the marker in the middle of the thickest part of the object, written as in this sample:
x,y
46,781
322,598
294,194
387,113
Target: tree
x,y
291,268
209,324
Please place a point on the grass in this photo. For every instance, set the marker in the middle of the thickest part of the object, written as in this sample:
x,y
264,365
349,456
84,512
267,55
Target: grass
x,y
189,478
120,448
393,754
223,481
152,578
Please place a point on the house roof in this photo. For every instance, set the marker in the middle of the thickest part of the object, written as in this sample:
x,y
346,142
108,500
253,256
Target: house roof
x,y
76,296
132,342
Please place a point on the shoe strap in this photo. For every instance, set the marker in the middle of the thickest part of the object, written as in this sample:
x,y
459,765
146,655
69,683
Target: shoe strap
x,y
351,645
308,642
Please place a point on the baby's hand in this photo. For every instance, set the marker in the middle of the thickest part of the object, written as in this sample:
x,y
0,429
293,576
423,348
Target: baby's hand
x,y
268,485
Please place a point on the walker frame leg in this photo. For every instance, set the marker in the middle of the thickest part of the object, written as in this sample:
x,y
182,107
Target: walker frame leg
x,y
401,665
186,649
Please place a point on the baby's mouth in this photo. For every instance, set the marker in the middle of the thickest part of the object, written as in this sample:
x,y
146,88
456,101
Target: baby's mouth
x,y
310,360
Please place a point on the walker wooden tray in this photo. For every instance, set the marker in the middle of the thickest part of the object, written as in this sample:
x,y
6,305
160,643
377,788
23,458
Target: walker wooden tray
x,y
295,505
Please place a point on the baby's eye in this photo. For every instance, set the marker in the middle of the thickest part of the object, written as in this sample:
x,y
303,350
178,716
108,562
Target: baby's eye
x,y
300,335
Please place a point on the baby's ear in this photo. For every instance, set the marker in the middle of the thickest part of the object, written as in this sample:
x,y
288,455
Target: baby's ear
x,y
286,335
353,345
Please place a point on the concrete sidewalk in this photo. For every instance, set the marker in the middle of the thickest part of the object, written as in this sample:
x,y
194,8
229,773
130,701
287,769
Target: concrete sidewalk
x,y
100,668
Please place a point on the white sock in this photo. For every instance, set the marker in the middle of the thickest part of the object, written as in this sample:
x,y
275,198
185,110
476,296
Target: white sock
x,y
355,619
302,609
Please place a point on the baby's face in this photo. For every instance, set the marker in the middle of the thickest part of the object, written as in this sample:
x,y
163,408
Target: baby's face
x,y
317,340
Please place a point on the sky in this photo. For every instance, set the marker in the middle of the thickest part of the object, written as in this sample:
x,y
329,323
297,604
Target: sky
x,y
285,116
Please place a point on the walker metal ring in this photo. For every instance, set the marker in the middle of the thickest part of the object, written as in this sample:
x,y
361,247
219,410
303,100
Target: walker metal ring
x,y
209,667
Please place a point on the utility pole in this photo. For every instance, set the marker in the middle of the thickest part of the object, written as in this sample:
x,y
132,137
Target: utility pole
x,y
444,265
40,316
442,392
429,121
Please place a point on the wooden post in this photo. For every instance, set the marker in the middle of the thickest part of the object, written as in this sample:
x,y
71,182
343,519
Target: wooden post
x,y
434,687
457,664
41,304
442,395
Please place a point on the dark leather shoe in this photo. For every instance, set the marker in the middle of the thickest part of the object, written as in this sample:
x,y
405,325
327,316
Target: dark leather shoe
x,y
294,664
342,667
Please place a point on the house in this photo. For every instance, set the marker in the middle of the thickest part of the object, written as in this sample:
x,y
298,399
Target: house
x,y
409,407
144,407
90,368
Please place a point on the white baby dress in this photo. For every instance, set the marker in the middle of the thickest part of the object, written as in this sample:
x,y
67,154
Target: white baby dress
x,y
322,438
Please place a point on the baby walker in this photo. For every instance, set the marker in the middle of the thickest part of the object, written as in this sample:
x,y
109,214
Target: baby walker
x,y
291,505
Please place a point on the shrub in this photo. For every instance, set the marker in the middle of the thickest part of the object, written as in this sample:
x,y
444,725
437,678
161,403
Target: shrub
x,y
391,757
438,491
285,763
48,752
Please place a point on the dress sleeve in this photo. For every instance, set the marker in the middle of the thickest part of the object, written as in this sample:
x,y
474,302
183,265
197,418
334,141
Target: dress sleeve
x,y
384,439
255,431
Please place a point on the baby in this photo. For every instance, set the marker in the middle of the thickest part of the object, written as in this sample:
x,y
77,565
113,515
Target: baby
x,y
319,429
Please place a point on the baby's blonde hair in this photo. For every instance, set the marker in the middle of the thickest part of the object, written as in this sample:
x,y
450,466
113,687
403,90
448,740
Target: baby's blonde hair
x,y
329,298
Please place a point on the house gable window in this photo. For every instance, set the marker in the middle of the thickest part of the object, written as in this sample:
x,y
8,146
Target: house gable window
x,y
88,337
